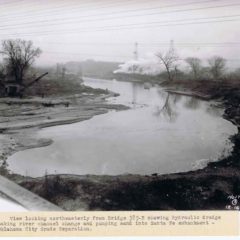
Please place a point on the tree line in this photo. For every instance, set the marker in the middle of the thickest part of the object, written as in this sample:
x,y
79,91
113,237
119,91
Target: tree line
x,y
19,55
215,70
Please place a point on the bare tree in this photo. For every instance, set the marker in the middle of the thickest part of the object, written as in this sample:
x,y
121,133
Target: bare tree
x,y
217,65
168,60
19,56
195,65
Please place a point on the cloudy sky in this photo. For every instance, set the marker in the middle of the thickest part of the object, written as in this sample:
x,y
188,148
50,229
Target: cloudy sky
x,y
107,29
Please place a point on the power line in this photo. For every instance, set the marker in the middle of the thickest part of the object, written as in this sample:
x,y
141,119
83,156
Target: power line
x,y
157,22
113,29
63,6
10,3
15,6
152,45
120,27
167,25
145,43
117,17
73,7
124,11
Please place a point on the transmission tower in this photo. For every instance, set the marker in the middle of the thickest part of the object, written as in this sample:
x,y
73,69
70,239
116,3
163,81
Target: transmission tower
x,y
135,53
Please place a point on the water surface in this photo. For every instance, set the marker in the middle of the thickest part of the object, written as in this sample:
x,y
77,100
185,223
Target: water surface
x,y
161,133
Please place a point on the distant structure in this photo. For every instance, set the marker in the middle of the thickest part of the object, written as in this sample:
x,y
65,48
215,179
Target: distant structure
x,y
58,69
15,89
135,53
61,71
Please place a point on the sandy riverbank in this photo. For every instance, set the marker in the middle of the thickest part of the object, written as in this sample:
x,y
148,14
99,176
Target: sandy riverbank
x,y
208,188
20,119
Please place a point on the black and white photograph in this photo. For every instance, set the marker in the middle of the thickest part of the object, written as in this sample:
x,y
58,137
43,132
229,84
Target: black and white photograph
x,y
109,105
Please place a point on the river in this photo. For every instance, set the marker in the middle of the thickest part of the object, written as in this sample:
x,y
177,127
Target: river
x,y
160,133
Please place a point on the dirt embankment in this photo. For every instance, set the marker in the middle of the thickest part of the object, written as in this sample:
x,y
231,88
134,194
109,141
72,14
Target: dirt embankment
x,y
20,119
209,188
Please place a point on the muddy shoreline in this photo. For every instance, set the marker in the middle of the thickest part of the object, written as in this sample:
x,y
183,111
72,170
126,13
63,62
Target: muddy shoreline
x,y
208,188
21,119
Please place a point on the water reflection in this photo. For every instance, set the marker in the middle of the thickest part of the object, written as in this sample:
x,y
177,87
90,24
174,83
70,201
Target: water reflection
x,y
161,133
214,111
134,94
177,98
168,110
192,103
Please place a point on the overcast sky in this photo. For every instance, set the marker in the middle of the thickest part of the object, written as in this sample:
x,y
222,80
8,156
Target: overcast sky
x,y
76,30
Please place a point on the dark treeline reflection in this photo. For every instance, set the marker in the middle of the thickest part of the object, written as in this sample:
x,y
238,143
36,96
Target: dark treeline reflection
x,y
192,103
214,111
169,109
